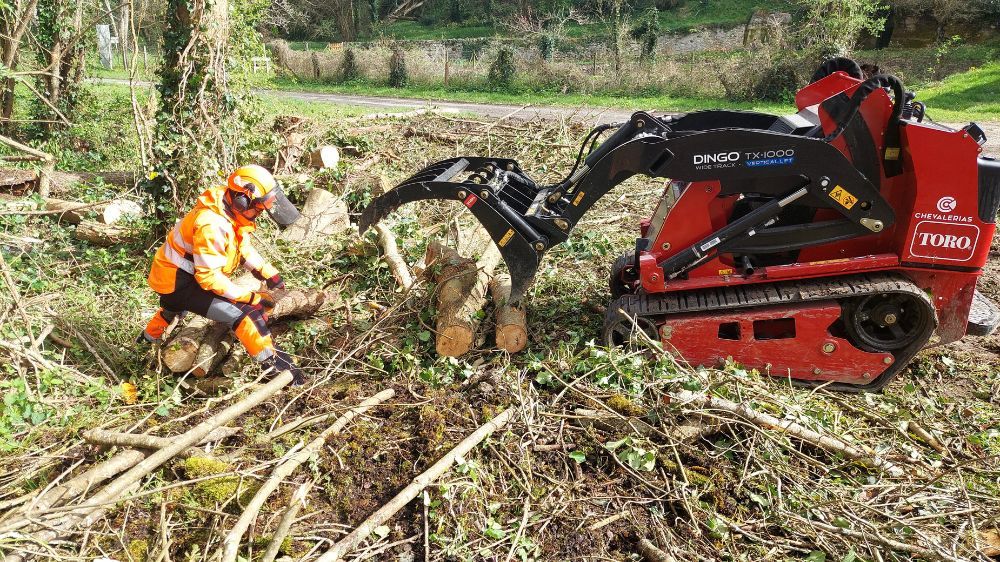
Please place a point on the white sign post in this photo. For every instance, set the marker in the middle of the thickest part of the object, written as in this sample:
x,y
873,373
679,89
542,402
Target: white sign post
x,y
104,45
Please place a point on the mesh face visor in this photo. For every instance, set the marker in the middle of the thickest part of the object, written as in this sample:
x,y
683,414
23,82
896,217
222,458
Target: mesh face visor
x,y
282,210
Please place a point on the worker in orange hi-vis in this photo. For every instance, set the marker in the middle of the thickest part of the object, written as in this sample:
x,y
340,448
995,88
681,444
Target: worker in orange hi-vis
x,y
191,270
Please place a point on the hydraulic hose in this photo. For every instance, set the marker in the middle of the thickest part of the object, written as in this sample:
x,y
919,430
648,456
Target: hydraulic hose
x,y
891,157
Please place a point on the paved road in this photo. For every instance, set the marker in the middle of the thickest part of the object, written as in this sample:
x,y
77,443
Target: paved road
x,y
588,115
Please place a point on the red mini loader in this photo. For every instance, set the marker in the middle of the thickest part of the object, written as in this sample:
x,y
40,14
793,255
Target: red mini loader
x,y
828,246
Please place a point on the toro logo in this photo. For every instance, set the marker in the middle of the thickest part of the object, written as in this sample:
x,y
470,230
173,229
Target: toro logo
x,y
944,241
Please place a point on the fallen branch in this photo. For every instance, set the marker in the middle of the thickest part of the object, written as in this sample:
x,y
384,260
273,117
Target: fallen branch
x,y
124,460
48,163
407,494
652,553
88,513
231,544
285,523
107,438
767,421
397,265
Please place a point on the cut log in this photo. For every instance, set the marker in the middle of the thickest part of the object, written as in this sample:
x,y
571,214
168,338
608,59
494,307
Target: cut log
x,y
63,182
323,214
364,530
18,182
324,157
103,234
212,350
511,321
460,296
202,345
120,209
180,352
397,265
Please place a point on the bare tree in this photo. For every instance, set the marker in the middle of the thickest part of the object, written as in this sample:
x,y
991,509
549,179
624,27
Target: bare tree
x,y
15,17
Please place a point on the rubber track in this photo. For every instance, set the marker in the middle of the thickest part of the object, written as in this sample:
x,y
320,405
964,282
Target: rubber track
x,y
785,293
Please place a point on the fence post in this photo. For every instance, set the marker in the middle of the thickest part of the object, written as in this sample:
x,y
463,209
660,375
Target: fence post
x,y
593,65
447,60
315,64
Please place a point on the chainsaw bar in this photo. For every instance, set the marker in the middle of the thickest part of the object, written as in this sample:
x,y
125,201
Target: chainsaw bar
x,y
727,299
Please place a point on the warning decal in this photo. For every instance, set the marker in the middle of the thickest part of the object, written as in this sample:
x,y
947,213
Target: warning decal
x,y
506,238
577,199
844,197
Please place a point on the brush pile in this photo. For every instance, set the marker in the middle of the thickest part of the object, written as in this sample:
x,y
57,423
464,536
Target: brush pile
x,y
397,451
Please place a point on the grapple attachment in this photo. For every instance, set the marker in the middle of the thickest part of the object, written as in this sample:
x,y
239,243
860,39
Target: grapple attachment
x,y
497,192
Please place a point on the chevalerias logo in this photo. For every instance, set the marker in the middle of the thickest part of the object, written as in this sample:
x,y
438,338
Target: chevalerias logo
x,y
940,240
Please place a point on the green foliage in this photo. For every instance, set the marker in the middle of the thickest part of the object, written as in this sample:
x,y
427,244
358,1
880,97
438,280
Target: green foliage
x,y
196,86
502,71
349,70
546,46
646,30
637,453
58,50
26,405
832,27
398,76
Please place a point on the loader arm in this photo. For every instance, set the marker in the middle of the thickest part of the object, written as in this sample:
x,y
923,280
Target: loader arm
x,y
524,219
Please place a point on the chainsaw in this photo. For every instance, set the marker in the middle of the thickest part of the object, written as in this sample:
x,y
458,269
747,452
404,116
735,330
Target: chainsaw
x,y
827,247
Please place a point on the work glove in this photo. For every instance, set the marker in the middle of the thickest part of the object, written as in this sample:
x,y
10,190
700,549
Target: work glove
x,y
260,298
276,283
281,361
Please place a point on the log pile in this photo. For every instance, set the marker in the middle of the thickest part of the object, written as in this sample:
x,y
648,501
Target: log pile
x,y
463,285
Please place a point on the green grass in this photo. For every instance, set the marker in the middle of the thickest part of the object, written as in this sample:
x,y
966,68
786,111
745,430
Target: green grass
x,y
307,45
974,94
659,102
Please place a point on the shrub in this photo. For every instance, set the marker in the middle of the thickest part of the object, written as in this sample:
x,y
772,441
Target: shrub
x,y
502,70
398,77
349,70
546,46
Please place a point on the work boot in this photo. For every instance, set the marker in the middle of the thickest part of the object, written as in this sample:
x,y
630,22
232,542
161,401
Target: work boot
x,y
281,361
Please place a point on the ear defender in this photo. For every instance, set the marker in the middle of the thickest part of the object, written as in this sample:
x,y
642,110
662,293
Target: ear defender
x,y
241,202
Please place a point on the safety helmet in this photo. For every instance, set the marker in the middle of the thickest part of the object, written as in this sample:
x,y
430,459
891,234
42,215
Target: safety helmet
x,y
251,190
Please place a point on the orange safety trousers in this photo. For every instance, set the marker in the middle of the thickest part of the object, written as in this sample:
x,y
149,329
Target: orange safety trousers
x,y
248,322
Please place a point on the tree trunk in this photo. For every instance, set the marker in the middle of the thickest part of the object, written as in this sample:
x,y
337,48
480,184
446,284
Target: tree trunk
x,y
322,215
103,234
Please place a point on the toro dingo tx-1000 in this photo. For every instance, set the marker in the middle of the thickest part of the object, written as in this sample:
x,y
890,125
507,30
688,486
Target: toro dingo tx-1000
x,y
828,246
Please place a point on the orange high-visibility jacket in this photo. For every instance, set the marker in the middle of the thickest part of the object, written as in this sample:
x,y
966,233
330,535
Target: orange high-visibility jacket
x,y
207,244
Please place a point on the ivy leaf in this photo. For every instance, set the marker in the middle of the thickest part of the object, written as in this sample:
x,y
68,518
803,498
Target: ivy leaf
x,y
577,456
816,556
